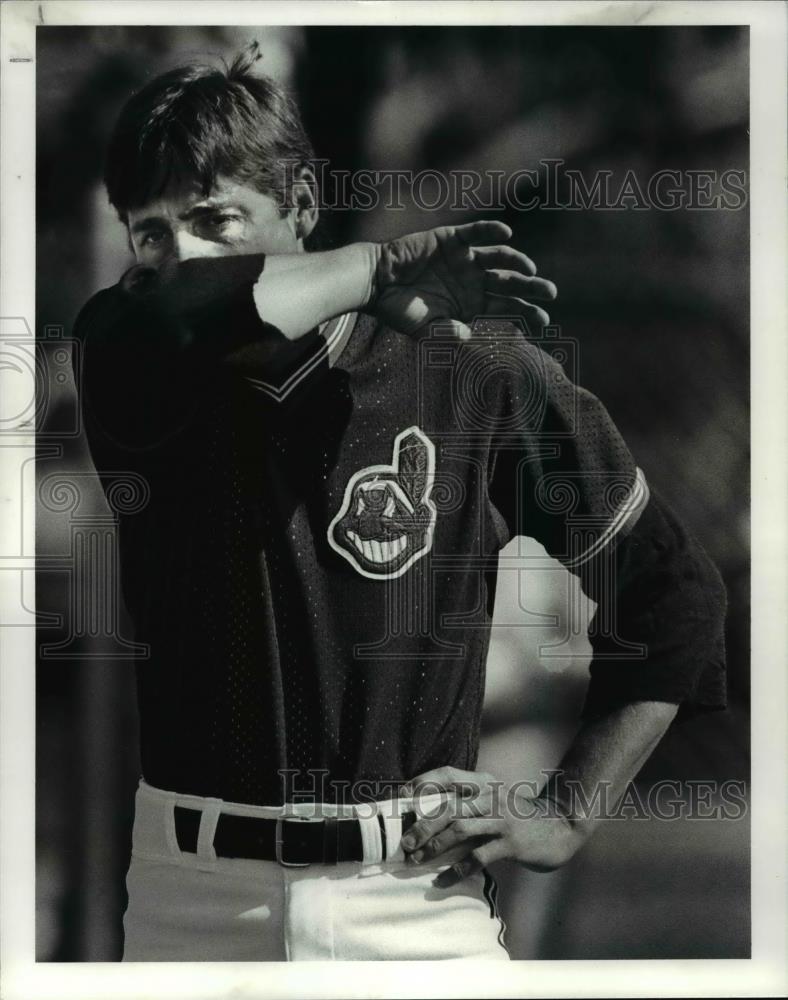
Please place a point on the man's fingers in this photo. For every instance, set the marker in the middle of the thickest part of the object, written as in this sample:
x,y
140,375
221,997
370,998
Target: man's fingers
x,y
509,307
448,779
505,257
485,233
467,817
478,858
428,827
472,830
512,284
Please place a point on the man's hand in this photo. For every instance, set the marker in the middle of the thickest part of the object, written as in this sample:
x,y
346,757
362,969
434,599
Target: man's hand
x,y
485,822
482,821
457,274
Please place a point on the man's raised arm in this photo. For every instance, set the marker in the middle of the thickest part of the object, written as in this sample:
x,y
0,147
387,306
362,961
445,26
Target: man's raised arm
x,y
154,342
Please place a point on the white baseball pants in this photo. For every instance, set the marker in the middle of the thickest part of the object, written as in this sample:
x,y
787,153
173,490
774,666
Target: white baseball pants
x,y
197,907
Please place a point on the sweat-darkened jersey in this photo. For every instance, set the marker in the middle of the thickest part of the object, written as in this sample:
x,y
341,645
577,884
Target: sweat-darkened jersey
x,y
314,569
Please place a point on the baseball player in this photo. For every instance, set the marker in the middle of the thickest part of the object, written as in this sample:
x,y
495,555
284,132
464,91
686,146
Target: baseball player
x,y
336,447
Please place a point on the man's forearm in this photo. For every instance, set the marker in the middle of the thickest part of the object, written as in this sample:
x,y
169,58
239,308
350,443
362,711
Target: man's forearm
x,y
606,753
297,292
609,750
294,293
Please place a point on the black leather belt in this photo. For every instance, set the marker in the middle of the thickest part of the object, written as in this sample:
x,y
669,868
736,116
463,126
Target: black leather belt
x,y
291,842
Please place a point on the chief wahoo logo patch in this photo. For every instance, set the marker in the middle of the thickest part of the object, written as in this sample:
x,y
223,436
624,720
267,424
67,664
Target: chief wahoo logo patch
x,y
386,521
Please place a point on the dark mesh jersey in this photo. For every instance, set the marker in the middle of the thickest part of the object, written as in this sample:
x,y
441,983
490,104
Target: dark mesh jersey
x,y
314,570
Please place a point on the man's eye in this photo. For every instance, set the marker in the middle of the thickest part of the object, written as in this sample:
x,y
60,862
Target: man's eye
x,y
220,220
154,238
221,227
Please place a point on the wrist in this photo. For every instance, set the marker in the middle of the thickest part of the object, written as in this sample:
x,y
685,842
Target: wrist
x,y
569,827
369,257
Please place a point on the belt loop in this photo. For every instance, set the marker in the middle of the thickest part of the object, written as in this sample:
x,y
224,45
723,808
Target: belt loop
x,y
210,817
393,826
371,839
170,837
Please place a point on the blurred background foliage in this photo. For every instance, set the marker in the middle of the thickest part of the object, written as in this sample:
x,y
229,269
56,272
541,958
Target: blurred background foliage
x,y
658,303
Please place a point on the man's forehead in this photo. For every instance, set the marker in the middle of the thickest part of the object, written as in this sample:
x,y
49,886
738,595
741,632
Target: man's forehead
x,y
183,196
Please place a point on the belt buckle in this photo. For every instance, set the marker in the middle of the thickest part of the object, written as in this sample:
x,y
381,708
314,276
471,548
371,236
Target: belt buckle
x,y
278,848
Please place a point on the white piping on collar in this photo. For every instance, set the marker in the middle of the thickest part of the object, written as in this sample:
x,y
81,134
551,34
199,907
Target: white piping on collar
x,y
335,334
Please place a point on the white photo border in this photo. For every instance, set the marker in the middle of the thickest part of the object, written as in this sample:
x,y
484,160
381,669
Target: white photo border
x,y
766,973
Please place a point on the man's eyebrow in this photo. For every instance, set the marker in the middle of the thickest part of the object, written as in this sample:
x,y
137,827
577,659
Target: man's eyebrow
x,y
212,205
152,222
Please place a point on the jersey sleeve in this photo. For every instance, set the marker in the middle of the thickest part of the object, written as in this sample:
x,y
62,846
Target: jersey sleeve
x,y
566,478
154,349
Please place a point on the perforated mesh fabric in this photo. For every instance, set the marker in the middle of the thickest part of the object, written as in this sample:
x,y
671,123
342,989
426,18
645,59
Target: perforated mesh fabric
x,y
290,649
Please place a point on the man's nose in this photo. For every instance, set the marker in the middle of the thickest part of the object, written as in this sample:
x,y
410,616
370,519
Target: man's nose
x,y
187,246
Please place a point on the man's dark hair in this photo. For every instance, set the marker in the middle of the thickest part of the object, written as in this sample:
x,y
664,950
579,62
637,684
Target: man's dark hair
x,y
199,122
